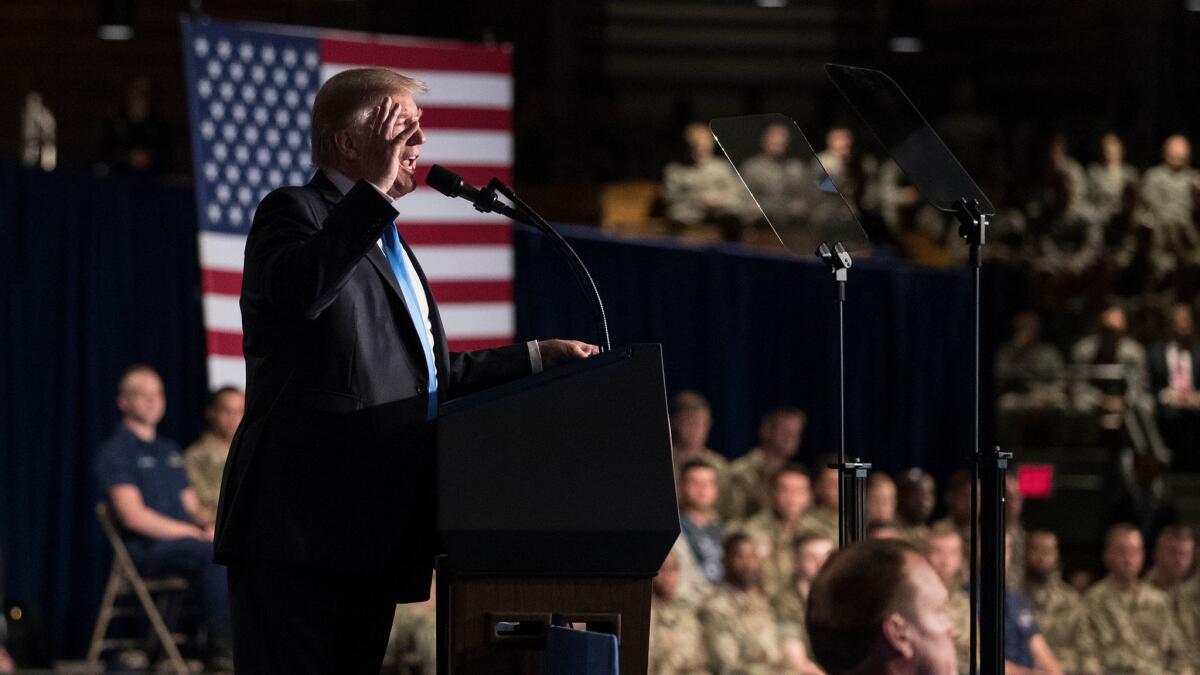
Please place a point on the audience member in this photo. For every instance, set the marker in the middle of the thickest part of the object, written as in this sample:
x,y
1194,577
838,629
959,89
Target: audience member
x,y
957,499
1111,181
1130,624
1174,557
1057,606
1110,345
143,477
777,179
698,520
823,516
916,497
852,173
773,529
809,553
879,607
1186,601
1174,377
881,498
779,437
691,422
206,457
1026,651
1168,201
677,645
704,190
1029,373
137,138
946,556
739,628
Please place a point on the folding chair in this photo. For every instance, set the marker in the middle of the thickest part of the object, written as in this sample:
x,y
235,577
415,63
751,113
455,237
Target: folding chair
x,y
123,580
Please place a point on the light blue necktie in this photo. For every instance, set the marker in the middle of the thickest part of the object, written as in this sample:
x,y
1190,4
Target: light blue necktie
x,y
408,287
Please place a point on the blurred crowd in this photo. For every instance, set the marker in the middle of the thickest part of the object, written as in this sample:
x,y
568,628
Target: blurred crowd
x,y
733,594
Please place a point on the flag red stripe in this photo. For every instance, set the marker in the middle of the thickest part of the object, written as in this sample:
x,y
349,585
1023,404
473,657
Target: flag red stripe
x,y
452,56
434,118
221,282
224,343
476,176
469,344
471,291
452,234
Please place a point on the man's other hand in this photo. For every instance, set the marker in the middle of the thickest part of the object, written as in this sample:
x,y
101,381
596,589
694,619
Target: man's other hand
x,y
555,352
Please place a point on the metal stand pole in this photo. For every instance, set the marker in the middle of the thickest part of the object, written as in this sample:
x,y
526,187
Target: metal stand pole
x,y
852,481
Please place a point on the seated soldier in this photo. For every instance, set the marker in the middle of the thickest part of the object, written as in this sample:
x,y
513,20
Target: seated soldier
x,y
160,519
773,529
1057,606
945,551
916,495
1130,624
677,644
823,516
809,553
1174,555
698,522
878,607
739,628
691,422
750,476
206,457
881,498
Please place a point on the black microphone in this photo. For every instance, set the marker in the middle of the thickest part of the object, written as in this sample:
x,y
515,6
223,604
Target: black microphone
x,y
451,184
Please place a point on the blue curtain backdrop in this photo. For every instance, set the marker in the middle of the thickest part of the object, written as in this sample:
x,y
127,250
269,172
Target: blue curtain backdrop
x,y
100,273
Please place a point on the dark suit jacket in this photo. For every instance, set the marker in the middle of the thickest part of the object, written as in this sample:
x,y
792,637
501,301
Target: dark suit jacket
x,y
332,465
1160,374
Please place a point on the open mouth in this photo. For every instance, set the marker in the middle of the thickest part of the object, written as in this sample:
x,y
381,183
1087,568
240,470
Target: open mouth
x,y
409,164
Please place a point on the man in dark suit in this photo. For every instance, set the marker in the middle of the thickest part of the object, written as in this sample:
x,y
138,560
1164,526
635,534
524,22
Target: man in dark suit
x,y
1174,378
325,517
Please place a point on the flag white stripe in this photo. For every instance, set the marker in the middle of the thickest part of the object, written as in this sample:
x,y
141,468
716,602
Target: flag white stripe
x,y
477,319
428,205
467,146
221,312
465,263
226,371
458,89
224,252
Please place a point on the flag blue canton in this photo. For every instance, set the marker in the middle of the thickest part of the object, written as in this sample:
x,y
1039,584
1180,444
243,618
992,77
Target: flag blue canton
x,y
249,96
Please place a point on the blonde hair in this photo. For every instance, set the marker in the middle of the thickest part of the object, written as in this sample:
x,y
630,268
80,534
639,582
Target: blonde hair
x,y
345,98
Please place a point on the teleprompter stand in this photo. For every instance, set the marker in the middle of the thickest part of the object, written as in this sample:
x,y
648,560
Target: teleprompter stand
x,y
801,204
556,506
852,476
932,168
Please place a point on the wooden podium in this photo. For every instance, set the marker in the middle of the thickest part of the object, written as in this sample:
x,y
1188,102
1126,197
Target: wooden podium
x,y
556,504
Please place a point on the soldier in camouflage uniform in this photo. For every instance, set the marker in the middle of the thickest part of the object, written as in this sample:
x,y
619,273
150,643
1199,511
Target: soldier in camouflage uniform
x,y
809,553
945,547
774,529
823,516
1174,555
677,645
750,476
739,627
691,421
205,459
916,496
412,646
1131,628
1058,607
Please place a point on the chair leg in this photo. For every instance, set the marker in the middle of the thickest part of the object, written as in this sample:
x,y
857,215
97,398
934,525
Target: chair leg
x,y
159,626
104,616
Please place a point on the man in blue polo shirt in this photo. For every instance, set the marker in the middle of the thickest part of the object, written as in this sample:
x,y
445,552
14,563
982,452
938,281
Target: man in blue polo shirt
x,y
145,480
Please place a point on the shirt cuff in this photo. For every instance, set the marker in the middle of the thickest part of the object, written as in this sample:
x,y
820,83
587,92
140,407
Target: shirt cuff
x,y
535,356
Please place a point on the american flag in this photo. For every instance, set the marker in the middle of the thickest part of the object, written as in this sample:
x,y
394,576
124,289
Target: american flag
x,y
250,93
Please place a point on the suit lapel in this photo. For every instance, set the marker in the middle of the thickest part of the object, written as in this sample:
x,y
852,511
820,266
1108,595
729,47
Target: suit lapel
x,y
330,193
